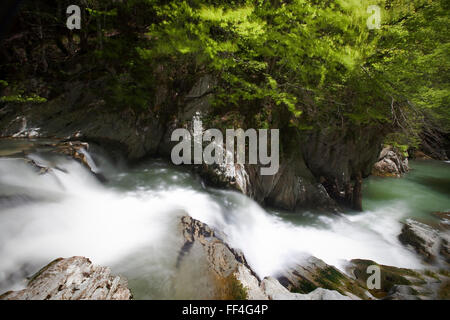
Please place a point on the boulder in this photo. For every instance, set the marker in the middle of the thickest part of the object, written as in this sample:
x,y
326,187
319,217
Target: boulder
x,y
401,283
391,163
74,278
312,273
275,291
232,276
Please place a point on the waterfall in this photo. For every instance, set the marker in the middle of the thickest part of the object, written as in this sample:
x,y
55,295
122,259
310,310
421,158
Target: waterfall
x,y
130,224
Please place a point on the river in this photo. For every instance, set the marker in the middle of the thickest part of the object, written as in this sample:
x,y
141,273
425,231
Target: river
x,y
130,223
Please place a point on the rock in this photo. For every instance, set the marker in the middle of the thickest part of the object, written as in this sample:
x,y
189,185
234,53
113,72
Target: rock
x,y
402,292
444,249
444,219
427,241
76,150
275,291
288,189
80,113
419,155
74,278
391,163
292,187
313,273
339,158
435,142
233,278
401,283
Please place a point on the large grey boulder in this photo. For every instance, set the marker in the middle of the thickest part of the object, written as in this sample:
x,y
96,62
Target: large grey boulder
x,y
74,278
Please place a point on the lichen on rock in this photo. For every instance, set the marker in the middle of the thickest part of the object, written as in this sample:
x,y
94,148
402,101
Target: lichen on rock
x,y
74,278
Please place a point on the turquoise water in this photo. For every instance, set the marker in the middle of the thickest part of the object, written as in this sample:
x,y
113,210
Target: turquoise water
x,y
131,223
424,190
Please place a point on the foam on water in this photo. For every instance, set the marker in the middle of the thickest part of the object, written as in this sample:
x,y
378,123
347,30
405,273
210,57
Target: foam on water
x,y
130,224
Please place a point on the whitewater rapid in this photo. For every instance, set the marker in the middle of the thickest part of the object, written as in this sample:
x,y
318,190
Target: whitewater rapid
x,y
131,222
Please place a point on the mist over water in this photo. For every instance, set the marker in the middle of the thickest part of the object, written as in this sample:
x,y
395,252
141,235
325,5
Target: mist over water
x,y
130,224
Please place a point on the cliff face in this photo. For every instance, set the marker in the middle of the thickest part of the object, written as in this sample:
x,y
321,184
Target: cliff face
x,y
318,168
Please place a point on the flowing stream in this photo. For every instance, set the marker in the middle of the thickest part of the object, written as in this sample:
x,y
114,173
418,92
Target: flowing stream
x,y
130,223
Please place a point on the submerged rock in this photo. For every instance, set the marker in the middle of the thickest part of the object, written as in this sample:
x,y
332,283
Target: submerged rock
x,y
74,278
426,241
391,163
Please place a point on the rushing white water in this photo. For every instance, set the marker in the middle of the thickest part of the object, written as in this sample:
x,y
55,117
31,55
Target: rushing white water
x,y
130,224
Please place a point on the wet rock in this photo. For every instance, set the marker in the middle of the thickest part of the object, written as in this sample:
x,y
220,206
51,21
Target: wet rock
x,y
426,241
292,187
313,273
444,249
401,283
402,292
78,151
233,277
74,278
444,219
29,153
275,291
391,163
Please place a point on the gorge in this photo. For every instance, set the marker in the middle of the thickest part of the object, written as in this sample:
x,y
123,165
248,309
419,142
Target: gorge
x,y
358,171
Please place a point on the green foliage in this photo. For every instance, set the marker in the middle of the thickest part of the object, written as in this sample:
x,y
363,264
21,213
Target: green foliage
x,y
275,51
412,62
18,98
301,63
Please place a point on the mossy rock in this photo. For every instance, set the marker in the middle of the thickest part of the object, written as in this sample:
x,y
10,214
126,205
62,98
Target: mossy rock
x,y
230,288
390,276
314,273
